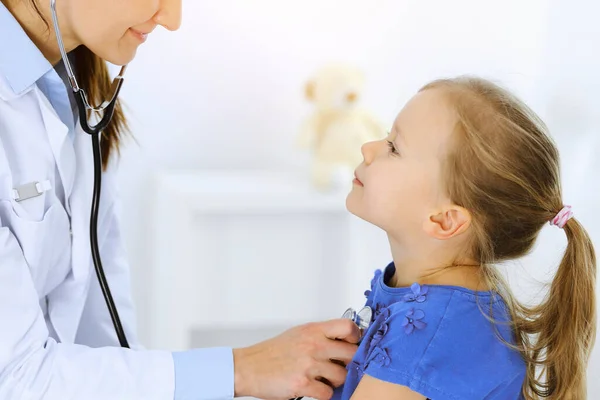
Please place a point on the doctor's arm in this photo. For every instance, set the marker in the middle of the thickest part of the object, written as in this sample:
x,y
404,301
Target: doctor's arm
x,y
96,328
34,366
199,374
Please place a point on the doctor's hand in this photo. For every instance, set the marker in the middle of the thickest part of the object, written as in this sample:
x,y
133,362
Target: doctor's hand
x,y
303,361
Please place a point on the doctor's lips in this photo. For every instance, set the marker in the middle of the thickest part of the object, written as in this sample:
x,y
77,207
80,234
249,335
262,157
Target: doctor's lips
x,y
142,36
357,181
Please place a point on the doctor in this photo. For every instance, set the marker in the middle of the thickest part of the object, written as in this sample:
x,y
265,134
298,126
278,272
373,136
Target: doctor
x,y
56,337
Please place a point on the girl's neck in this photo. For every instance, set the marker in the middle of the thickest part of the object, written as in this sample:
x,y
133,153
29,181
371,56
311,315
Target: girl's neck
x,y
431,268
467,276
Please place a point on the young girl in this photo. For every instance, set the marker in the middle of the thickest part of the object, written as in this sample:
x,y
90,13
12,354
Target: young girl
x,y
467,178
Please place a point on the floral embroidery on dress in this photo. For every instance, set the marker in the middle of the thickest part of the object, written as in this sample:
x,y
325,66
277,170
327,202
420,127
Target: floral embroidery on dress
x,y
378,273
381,312
413,320
379,356
357,367
379,328
368,292
419,293
379,334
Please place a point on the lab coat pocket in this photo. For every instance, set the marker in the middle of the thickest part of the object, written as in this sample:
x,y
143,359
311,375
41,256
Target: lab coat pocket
x,y
33,209
46,244
33,205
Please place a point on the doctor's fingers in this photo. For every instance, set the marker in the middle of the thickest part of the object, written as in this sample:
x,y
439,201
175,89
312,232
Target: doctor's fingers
x,y
334,375
337,350
342,329
319,390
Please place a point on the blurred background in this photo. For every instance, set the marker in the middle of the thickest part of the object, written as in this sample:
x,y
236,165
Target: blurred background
x,y
228,239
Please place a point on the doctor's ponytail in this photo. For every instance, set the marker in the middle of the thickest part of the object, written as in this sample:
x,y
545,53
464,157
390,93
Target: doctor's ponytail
x,y
93,76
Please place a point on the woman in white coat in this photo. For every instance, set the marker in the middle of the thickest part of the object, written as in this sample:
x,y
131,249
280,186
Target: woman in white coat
x,y
56,336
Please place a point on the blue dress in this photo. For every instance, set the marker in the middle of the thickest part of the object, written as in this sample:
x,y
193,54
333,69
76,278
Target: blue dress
x,y
437,341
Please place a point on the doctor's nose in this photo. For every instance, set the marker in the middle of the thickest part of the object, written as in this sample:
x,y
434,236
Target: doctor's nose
x,y
169,14
369,150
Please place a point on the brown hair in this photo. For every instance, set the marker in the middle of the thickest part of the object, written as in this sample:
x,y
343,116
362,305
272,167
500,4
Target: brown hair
x,y
93,77
504,168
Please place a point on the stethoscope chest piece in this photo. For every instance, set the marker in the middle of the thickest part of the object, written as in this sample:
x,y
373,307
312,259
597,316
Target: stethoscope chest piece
x,y
361,318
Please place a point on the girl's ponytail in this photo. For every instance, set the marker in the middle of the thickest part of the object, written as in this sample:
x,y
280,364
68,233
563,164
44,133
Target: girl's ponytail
x,y
565,324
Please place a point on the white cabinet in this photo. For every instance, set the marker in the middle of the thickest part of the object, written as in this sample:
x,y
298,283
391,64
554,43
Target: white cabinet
x,y
240,256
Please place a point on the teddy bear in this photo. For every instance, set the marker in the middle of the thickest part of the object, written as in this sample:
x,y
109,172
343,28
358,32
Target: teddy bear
x,y
338,127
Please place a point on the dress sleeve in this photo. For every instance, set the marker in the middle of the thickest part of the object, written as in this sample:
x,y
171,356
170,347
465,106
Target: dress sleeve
x,y
401,337
442,348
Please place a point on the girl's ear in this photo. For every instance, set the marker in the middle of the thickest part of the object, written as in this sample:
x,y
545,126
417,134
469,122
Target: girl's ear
x,y
447,223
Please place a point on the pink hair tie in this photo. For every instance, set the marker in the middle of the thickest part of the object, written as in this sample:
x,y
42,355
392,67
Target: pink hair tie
x,y
562,217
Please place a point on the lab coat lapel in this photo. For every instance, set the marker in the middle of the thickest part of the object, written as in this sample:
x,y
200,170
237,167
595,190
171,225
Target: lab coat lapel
x,y
61,148
81,203
69,298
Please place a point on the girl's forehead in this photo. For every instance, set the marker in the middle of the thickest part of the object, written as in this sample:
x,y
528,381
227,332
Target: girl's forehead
x,y
426,119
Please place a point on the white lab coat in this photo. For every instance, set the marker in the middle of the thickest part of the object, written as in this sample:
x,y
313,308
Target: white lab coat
x,y
54,325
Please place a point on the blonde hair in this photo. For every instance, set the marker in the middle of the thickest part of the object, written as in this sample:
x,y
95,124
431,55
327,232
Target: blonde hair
x,y
504,168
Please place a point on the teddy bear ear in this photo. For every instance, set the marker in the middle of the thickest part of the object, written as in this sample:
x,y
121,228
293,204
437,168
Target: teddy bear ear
x,y
351,97
310,90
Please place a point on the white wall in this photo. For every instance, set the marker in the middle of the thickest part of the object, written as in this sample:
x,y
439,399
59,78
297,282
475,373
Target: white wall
x,y
571,83
226,91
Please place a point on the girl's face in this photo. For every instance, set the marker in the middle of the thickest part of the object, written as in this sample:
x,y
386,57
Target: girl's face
x,y
399,187
113,29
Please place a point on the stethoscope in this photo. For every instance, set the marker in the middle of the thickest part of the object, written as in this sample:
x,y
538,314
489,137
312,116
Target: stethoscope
x,y
361,318
106,110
